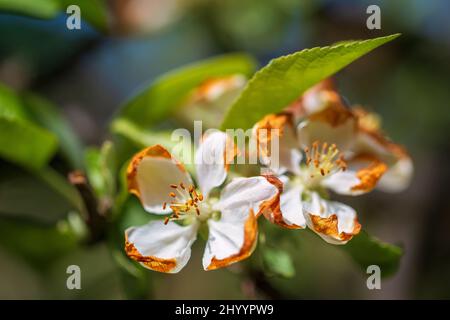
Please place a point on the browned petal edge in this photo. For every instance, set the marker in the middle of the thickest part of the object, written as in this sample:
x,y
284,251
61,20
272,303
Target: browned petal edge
x,y
335,114
369,175
231,152
250,235
155,151
271,208
297,107
397,150
269,122
329,227
225,83
154,263
368,124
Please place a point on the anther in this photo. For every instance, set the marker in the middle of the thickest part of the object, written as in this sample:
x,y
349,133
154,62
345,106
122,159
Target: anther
x,y
324,158
324,147
184,201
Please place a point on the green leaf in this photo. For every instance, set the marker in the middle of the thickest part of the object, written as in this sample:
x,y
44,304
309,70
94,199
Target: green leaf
x,y
10,105
131,138
48,116
278,262
44,9
37,244
140,137
284,79
21,141
367,250
25,195
156,101
135,279
122,195
26,144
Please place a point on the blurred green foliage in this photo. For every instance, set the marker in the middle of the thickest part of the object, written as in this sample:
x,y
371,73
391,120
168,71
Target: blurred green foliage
x,y
367,251
278,262
44,221
94,11
158,100
21,141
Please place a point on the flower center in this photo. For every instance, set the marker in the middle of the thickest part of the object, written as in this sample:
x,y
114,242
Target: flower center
x,y
185,201
322,160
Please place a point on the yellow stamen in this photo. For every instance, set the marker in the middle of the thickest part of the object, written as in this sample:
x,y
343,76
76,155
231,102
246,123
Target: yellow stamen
x,y
185,201
324,159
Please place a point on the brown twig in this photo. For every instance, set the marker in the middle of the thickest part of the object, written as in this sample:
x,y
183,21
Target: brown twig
x,y
95,219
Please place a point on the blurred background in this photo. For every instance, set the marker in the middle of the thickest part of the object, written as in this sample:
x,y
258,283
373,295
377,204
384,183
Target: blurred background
x,y
123,44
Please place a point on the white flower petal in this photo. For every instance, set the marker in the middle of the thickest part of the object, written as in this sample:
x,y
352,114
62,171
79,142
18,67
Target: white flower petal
x,y
315,99
277,143
287,212
212,159
231,239
398,177
160,247
246,193
362,175
332,125
342,182
290,159
150,174
400,166
335,222
372,143
284,179
291,207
